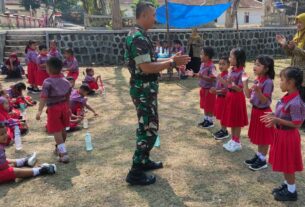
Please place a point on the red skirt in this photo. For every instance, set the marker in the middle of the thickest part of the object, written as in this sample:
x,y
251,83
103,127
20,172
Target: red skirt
x,y
207,100
285,152
93,85
235,110
32,73
219,107
58,117
74,75
41,76
258,133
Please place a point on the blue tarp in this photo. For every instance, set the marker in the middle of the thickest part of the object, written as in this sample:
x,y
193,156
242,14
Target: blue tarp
x,y
187,16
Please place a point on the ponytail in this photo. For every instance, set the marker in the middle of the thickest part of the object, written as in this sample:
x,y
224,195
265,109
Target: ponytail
x,y
30,43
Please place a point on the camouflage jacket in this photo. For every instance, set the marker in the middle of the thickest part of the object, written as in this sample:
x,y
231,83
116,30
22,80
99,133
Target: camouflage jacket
x,y
139,49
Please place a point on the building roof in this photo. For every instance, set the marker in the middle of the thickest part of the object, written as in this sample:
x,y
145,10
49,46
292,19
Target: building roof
x,y
242,4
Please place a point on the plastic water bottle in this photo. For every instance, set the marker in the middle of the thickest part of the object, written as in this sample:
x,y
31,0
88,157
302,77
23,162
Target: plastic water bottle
x,y
23,110
18,143
88,141
85,124
157,142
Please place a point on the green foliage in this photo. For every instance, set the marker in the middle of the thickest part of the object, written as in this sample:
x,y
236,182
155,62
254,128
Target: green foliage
x,y
34,4
135,2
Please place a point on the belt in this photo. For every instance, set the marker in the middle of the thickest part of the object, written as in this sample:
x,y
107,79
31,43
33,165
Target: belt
x,y
260,108
221,95
281,127
231,90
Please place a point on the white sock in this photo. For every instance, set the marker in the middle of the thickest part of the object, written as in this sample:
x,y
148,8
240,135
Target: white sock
x,y
62,148
261,156
20,162
205,118
291,188
36,171
286,182
210,118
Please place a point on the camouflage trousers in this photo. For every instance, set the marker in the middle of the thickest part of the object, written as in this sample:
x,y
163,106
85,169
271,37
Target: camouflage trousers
x,y
144,97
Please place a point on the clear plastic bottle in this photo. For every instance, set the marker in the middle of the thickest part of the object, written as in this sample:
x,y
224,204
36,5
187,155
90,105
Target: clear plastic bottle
x,y
88,142
23,111
85,123
18,142
157,142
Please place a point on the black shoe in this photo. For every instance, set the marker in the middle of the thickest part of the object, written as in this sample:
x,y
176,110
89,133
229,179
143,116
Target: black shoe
x,y
202,123
281,187
221,134
251,161
47,169
207,125
258,165
151,165
30,89
285,195
138,177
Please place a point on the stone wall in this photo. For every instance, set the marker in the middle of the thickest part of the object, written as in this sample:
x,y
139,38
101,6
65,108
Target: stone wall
x,y
107,47
2,43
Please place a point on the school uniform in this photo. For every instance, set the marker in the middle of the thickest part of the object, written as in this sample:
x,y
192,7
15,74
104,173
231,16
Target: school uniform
x,y
220,97
285,152
258,133
6,172
56,91
72,64
90,80
207,99
55,53
77,103
235,111
41,71
30,59
16,98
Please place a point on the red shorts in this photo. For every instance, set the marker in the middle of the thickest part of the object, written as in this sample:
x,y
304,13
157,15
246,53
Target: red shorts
x,y
7,174
74,75
32,73
93,85
41,76
219,107
58,117
207,100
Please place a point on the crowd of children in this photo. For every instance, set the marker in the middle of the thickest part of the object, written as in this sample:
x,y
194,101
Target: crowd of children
x,y
54,78
224,96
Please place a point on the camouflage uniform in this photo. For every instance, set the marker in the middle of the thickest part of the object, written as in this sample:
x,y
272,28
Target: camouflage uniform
x,y
143,92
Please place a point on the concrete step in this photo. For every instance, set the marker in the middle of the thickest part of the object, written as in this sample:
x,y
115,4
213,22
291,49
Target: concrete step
x,y
26,37
14,48
20,32
20,53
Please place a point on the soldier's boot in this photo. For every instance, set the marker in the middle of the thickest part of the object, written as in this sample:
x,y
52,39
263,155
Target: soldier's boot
x,y
151,165
137,176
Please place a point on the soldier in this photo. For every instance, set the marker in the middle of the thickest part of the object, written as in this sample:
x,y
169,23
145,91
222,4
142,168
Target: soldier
x,y
144,70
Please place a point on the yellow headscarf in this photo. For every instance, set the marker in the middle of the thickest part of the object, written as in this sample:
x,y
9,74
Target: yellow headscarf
x,y
299,37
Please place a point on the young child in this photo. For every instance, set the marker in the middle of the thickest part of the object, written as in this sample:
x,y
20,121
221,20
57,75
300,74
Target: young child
x,y
55,94
41,64
54,52
92,81
177,47
71,64
285,153
30,59
260,97
220,90
207,81
12,67
235,111
10,169
78,101
15,94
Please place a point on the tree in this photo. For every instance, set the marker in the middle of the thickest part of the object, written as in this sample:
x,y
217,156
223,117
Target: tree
x,y
116,15
31,4
231,14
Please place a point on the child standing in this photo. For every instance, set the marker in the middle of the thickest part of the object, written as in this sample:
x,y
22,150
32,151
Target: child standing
x,y
71,64
235,111
55,94
91,80
30,59
41,64
207,81
78,101
220,92
285,153
54,52
10,169
260,97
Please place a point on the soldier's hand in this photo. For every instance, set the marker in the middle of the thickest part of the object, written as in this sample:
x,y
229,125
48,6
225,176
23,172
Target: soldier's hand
x,y
181,59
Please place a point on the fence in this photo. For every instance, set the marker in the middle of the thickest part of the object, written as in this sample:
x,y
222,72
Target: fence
x,y
19,21
105,21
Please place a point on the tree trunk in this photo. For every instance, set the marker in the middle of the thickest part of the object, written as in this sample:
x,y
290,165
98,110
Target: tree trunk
x,y
231,14
116,15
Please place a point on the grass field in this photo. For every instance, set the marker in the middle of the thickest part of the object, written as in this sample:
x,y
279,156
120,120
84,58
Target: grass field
x,y
197,173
